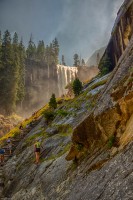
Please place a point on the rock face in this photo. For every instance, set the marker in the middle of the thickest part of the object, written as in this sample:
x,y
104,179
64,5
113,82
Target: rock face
x,y
121,34
93,132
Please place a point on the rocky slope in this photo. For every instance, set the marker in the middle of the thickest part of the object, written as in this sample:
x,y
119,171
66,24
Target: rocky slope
x,y
87,147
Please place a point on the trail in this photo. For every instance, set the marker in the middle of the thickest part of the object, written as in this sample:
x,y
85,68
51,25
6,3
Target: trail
x,y
15,143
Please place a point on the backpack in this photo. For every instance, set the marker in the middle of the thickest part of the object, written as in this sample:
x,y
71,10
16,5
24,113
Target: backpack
x,y
38,144
8,141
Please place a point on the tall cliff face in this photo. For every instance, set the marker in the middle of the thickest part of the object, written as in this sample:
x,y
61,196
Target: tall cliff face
x,y
93,131
121,34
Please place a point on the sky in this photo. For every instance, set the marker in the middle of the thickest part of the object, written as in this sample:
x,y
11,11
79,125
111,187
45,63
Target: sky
x,y
81,26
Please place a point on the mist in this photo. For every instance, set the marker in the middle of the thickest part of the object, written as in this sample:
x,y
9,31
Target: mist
x,y
81,26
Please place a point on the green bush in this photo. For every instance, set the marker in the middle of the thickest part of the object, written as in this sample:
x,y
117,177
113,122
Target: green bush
x,y
49,115
62,113
79,146
111,141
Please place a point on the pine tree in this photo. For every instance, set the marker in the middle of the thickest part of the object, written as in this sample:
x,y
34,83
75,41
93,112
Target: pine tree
x,y
63,60
15,39
16,65
52,102
76,60
77,86
31,50
8,76
21,81
55,45
0,38
0,46
40,50
82,62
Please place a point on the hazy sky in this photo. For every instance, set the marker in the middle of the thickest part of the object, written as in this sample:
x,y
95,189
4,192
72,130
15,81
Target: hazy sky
x,y
81,26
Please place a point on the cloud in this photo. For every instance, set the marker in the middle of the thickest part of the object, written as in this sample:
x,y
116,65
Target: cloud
x,y
81,26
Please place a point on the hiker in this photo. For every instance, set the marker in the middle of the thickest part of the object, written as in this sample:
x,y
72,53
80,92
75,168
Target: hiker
x,y
21,131
37,149
2,152
21,127
9,143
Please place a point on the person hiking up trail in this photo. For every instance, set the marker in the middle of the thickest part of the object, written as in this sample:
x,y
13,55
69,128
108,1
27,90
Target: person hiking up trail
x,y
9,143
2,152
37,149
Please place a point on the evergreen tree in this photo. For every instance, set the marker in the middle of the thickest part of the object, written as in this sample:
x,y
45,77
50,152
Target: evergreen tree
x,y
63,60
82,62
52,102
41,50
55,45
31,50
21,81
76,60
0,38
77,86
16,64
0,46
15,39
7,76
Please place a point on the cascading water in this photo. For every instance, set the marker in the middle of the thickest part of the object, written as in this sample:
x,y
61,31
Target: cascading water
x,y
65,74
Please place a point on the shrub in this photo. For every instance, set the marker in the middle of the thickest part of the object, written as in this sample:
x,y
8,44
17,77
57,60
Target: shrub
x,y
79,146
49,115
111,141
62,113
105,65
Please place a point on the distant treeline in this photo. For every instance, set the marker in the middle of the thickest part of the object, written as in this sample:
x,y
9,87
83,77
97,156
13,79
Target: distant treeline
x,y
13,57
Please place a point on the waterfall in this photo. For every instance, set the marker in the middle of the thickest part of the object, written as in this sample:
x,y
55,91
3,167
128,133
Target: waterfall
x,y
65,75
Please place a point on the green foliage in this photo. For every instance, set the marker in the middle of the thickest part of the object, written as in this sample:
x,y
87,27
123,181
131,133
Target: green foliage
x,y
111,141
13,61
8,75
55,50
69,87
21,80
105,65
49,115
40,50
63,60
52,102
79,146
97,84
62,113
77,87
31,50
76,60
